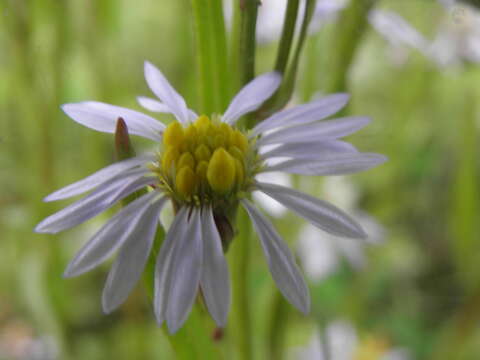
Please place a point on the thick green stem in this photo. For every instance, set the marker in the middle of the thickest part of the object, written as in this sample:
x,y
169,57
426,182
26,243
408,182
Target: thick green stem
x,y
350,28
241,315
201,19
240,249
212,55
220,55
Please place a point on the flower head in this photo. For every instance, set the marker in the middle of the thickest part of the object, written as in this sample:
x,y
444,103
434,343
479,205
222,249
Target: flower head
x,y
207,167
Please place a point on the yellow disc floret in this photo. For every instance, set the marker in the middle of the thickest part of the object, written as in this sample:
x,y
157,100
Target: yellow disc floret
x,y
204,161
173,135
221,171
185,181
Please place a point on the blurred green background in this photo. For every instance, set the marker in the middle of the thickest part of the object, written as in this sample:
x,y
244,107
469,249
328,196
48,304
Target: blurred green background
x,y
418,289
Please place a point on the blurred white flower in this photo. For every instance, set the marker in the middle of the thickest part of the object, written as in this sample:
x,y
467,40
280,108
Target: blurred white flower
x,y
17,341
341,342
457,38
396,30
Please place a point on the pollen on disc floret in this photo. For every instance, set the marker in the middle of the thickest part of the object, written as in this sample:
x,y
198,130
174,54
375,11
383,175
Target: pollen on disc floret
x,y
205,161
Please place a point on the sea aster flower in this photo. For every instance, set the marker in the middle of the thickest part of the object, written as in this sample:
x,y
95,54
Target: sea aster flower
x,y
206,166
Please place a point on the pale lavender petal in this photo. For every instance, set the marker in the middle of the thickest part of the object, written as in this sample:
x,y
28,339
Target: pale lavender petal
x,y
331,129
251,96
215,281
303,114
320,213
130,262
152,104
166,93
94,203
103,117
164,262
185,273
117,169
310,150
111,236
280,261
336,164
192,115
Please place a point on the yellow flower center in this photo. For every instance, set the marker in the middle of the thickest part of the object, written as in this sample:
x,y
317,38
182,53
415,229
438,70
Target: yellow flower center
x,y
205,160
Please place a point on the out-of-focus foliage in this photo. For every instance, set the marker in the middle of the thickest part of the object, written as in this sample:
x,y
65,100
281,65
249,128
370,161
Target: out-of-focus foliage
x,y
418,290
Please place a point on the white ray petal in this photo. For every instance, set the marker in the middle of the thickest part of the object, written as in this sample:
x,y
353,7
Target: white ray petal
x,y
303,114
280,261
310,150
111,236
251,96
130,262
164,263
215,281
93,204
336,164
157,106
103,117
185,272
331,129
153,105
166,93
320,213
117,169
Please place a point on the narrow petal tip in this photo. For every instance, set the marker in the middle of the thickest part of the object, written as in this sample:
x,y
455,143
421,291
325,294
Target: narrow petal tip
x,y
147,65
173,325
69,273
42,228
107,308
305,306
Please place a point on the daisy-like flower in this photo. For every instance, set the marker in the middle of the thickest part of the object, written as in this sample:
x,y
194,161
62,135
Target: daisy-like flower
x,y
206,167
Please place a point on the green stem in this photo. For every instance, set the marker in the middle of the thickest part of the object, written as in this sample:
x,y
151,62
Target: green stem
x,y
220,59
350,28
201,19
311,65
277,327
234,47
212,55
286,39
241,315
248,25
323,337
465,193
285,92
